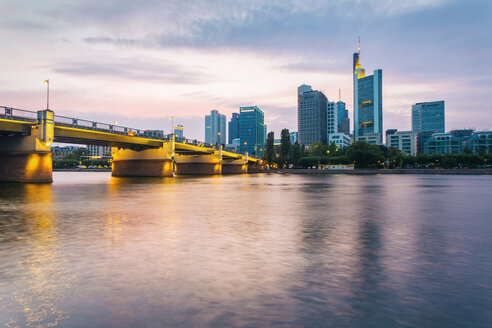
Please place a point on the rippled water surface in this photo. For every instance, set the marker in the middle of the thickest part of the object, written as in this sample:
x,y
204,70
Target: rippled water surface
x,y
247,251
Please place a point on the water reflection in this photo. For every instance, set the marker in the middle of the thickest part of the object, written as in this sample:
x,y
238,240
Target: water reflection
x,y
248,250
39,292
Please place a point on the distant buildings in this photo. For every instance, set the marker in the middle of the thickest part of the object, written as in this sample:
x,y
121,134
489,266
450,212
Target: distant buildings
x,y
480,142
178,131
311,115
428,116
294,136
368,106
215,128
98,151
401,140
233,127
251,131
62,152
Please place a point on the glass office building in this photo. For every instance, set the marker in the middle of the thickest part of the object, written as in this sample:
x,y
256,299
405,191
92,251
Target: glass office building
x,y
368,102
234,127
311,115
428,116
252,131
342,113
215,128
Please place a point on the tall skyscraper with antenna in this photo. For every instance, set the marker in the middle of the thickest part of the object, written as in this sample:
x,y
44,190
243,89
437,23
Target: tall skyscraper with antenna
x,y
368,103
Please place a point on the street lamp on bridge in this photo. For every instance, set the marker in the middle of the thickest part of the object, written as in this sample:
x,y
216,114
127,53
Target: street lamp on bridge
x,y
47,82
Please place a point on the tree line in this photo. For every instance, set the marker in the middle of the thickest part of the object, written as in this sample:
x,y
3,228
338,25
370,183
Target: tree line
x,y
362,155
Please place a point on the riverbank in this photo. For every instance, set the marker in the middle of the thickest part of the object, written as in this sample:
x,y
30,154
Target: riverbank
x,y
393,171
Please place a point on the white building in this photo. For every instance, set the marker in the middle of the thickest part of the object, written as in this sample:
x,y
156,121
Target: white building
x,y
98,151
331,118
340,139
401,140
372,138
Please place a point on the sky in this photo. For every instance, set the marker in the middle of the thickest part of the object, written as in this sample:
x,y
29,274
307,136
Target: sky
x,y
140,62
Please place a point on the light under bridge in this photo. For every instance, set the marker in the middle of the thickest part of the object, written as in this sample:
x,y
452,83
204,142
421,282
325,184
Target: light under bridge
x,y
26,138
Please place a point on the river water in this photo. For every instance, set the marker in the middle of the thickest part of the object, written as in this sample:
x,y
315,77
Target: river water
x,y
260,250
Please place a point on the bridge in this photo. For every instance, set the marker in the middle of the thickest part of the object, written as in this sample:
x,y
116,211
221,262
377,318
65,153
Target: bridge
x,y
26,138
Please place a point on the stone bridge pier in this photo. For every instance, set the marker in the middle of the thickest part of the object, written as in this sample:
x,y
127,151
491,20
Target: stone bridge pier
x,y
25,155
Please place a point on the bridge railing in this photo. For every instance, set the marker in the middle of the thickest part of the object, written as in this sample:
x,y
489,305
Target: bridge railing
x,y
18,114
32,116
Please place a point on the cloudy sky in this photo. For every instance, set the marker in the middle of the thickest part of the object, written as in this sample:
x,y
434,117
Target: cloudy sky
x,y
139,62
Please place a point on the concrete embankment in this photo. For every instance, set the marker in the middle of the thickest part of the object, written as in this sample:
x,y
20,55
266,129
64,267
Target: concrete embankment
x,y
394,171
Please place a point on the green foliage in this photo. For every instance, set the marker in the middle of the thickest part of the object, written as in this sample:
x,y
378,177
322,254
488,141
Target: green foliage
x,y
65,163
284,146
318,149
449,161
295,154
364,155
96,162
269,149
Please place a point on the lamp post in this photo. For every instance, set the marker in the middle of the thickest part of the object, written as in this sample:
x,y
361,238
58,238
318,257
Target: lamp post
x,y
47,82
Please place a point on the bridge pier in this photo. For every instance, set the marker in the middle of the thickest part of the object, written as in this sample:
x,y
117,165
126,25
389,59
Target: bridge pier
x,y
25,156
234,166
209,164
144,163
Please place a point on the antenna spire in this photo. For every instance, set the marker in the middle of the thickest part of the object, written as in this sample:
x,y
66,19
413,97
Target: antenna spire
x,y
339,94
359,44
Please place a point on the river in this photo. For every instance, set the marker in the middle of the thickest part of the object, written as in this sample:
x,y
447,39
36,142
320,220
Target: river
x,y
260,250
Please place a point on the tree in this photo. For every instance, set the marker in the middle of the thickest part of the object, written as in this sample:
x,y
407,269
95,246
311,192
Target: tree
x,y
318,149
295,154
284,146
269,148
363,154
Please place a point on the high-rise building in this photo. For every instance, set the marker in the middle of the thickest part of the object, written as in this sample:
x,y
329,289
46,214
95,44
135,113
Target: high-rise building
x,y
368,103
234,127
311,115
342,113
178,131
428,117
331,118
215,128
252,131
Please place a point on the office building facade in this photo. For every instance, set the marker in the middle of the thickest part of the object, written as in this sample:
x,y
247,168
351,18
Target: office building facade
x,y
234,127
340,139
252,131
343,120
215,128
178,131
331,118
294,137
428,117
368,102
401,140
311,115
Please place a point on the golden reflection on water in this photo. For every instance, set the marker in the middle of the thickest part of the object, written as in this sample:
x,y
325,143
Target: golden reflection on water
x,y
40,289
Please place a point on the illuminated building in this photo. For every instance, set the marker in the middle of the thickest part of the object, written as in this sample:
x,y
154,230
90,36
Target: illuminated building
x,y
252,131
311,115
368,103
215,128
178,131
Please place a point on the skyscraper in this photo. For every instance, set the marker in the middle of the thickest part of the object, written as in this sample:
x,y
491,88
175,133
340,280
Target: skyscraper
x,y
215,128
252,131
342,113
234,127
428,116
311,115
368,102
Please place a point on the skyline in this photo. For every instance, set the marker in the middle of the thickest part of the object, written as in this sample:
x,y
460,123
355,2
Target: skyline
x,y
117,60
